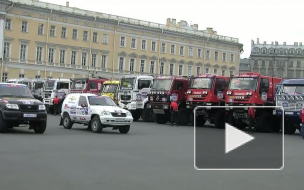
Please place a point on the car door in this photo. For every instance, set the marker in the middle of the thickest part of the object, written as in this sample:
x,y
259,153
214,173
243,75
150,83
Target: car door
x,y
82,109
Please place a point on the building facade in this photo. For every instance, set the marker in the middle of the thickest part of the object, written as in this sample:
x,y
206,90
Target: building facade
x,y
244,66
42,40
280,60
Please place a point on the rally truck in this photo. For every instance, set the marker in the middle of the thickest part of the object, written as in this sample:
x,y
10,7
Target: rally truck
x,y
111,88
163,91
87,85
131,88
19,108
207,90
55,87
290,95
252,89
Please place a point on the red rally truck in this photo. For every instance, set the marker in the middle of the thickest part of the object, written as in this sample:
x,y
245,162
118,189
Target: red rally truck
x,y
87,85
163,90
252,89
207,90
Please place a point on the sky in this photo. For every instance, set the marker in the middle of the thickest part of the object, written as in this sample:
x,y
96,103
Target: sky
x,y
268,20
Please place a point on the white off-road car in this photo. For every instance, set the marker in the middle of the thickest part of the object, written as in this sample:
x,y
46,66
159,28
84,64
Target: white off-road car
x,y
97,112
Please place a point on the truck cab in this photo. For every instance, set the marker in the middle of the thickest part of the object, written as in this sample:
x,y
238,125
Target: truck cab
x,y
87,85
131,87
163,91
207,90
251,89
55,87
290,95
111,88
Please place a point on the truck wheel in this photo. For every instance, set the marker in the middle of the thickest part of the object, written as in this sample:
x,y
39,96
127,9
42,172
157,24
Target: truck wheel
x,y
264,123
124,129
3,124
96,125
67,123
161,118
289,127
40,127
147,115
183,117
219,119
135,114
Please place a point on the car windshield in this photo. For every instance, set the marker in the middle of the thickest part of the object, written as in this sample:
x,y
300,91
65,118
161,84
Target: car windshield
x,y
78,85
38,85
62,85
14,90
49,84
202,83
101,101
143,83
293,89
127,83
110,88
246,83
162,84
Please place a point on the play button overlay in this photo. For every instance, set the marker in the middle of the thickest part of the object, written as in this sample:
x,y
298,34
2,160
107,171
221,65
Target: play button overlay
x,y
232,147
235,138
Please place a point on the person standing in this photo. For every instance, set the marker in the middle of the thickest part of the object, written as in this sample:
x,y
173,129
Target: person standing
x,y
174,111
56,101
251,115
302,122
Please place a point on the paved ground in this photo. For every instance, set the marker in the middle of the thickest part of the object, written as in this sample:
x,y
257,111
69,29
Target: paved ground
x,y
151,156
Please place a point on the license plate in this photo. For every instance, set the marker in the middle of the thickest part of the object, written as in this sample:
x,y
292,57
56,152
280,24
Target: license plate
x,y
29,115
120,119
158,111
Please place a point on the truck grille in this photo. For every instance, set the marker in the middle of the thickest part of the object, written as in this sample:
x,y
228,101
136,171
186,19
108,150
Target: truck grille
x,y
159,97
125,97
28,107
118,114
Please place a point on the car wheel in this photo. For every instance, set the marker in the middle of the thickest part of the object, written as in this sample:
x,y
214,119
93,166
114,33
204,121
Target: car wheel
x,y
3,124
67,123
124,129
96,125
40,127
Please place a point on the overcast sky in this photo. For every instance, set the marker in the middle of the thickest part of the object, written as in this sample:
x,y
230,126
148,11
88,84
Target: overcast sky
x,y
268,20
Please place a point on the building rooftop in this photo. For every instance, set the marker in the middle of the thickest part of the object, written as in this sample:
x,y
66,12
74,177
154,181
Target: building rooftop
x,y
189,30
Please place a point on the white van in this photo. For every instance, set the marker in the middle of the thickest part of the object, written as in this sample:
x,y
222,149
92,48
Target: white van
x,y
97,112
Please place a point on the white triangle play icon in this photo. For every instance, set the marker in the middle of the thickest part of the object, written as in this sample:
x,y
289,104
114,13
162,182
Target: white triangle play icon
x,y
235,138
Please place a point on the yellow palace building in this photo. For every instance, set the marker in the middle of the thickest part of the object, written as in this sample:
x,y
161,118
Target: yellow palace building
x,y
43,40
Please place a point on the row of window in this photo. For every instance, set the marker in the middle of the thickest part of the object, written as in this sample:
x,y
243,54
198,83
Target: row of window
x,y
279,73
278,63
281,51
123,41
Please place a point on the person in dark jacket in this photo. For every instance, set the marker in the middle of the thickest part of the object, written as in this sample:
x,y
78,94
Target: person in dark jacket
x,y
251,114
302,122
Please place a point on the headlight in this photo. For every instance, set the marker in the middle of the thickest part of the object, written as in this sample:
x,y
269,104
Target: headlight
x,y
205,92
189,92
229,92
249,93
166,107
129,113
41,107
12,106
105,113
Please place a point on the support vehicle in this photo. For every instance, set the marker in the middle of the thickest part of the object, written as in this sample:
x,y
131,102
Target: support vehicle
x,y
252,89
131,88
290,96
111,88
207,90
55,87
96,111
87,85
18,107
165,89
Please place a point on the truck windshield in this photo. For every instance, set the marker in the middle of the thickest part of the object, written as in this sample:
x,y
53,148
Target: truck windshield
x,y
162,84
38,85
11,90
101,101
203,83
62,85
109,88
293,89
143,83
78,85
246,83
127,83
49,84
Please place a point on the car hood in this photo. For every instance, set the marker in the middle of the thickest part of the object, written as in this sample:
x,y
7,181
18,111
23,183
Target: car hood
x,y
19,101
108,108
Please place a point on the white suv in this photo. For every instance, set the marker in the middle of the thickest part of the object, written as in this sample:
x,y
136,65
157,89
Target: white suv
x,y
97,112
